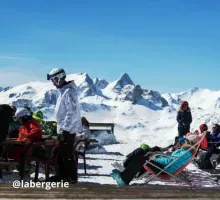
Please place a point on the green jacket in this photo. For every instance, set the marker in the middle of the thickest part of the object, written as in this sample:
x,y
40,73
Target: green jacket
x,y
47,127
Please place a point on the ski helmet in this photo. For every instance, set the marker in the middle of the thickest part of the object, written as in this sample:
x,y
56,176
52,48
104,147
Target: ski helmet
x,y
144,146
203,127
56,74
182,140
21,112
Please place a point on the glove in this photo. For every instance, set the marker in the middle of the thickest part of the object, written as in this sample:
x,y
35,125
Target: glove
x,y
23,136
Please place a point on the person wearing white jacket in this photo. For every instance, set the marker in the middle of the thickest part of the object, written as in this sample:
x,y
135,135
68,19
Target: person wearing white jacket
x,y
67,110
69,123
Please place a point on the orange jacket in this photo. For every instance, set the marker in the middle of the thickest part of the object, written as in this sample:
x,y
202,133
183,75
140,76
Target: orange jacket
x,y
31,131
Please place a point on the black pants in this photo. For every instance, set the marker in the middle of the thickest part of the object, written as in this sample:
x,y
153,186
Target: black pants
x,y
182,131
4,127
67,161
138,152
136,165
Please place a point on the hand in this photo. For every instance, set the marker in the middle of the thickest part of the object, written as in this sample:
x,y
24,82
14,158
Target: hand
x,y
170,149
153,158
24,136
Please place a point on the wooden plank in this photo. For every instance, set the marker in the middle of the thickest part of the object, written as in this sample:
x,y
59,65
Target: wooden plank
x,y
105,125
5,163
102,124
93,140
12,141
79,191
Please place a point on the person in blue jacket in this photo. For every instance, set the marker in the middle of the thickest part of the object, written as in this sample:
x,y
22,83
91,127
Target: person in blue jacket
x,y
184,119
126,176
215,135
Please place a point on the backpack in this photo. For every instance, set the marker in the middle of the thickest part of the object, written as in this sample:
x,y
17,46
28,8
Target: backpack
x,y
203,160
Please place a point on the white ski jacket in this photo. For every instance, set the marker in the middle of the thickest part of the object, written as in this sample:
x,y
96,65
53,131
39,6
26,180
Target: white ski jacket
x,y
67,110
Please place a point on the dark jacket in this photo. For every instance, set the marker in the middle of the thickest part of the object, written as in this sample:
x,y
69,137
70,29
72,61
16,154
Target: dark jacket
x,y
13,129
184,118
6,114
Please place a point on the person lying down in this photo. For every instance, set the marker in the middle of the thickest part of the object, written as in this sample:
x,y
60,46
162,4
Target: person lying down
x,y
135,164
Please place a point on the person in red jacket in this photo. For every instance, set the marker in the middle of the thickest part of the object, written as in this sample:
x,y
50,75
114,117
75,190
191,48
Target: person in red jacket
x,y
30,130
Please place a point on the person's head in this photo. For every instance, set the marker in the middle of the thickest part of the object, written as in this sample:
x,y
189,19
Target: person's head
x,y
192,138
144,146
216,128
180,142
203,127
85,122
184,105
22,115
57,76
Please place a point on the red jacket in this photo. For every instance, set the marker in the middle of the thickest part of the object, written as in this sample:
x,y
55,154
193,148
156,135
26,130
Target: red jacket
x,y
31,131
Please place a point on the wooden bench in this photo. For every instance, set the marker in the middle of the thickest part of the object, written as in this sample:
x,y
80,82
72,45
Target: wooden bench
x,y
27,156
109,127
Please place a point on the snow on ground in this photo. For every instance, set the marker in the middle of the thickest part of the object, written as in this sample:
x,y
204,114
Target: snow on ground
x,y
99,168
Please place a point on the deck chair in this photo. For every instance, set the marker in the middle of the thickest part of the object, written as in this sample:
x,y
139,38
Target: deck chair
x,y
163,174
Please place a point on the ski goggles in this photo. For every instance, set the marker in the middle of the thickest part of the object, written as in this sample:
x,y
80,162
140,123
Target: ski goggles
x,y
55,80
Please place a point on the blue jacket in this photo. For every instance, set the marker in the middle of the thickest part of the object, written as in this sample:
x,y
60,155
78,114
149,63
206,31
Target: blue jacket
x,y
184,117
215,137
164,161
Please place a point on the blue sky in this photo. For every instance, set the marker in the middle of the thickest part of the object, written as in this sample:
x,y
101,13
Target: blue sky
x,y
165,45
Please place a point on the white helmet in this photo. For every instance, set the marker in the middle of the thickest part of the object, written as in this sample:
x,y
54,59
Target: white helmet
x,y
21,112
56,74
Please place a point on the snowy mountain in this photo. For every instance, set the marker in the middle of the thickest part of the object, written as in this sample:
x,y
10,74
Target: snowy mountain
x,y
5,88
139,114
100,83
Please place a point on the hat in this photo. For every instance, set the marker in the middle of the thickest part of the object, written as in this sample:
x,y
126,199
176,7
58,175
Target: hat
x,y
184,103
182,140
203,127
144,146
21,112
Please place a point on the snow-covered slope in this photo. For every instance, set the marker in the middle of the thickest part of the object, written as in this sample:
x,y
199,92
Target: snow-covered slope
x,y
141,115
